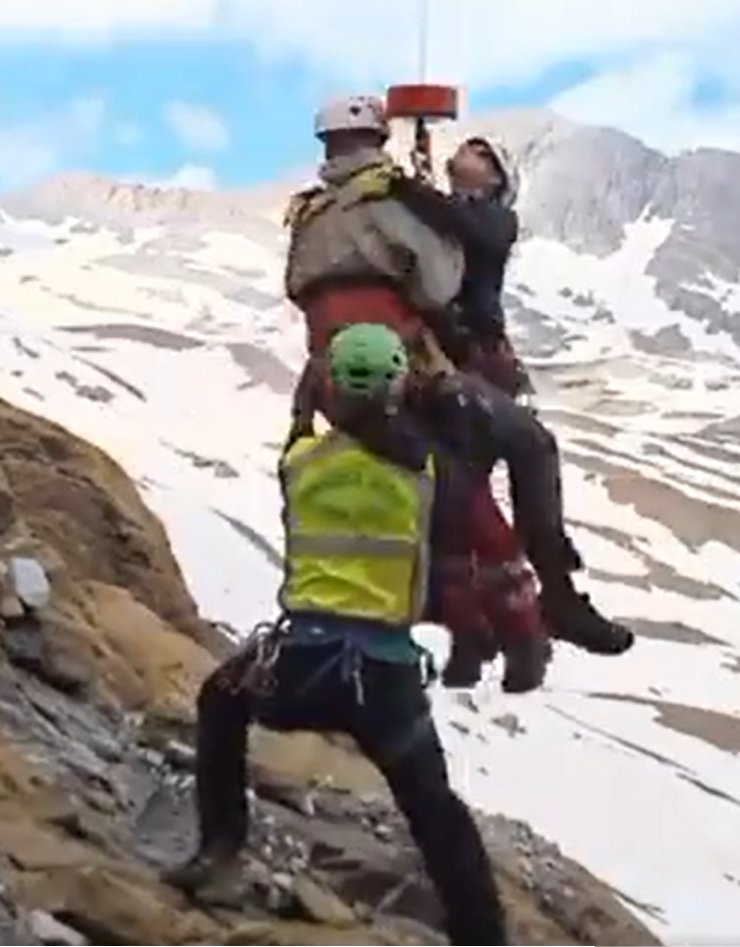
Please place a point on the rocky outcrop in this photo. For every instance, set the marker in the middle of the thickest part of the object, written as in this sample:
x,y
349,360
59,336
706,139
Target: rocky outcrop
x,y
96,724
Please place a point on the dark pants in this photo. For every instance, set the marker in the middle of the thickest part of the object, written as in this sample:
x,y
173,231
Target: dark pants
x,y
383,706
486,425
531,451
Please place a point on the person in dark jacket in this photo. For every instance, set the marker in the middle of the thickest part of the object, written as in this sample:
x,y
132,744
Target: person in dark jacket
x,y
476,413
479,214
343,658
482,589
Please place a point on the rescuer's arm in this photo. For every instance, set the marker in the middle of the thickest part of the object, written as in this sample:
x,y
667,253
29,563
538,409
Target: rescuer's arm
x,y
483,227
306,402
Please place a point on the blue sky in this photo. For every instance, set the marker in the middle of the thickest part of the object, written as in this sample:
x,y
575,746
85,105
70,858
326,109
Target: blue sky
x,y
222,91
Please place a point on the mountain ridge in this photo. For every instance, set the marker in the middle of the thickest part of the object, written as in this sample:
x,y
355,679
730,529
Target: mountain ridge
x,y
588,189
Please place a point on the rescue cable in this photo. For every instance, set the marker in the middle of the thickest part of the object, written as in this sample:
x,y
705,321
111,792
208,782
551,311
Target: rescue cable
x,y
423,103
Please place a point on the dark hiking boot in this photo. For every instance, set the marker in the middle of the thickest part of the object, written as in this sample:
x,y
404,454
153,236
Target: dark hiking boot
x,y
206,867
573,618
526,660
464,668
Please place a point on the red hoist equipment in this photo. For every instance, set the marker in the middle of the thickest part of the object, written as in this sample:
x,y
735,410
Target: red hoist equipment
x,y
422,103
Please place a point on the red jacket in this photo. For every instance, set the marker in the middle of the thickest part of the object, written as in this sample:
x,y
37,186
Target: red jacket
x,y
484,590
480,586
331,307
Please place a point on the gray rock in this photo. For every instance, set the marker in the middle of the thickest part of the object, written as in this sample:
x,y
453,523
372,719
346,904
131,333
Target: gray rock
x,y
180,756
47,930
29,581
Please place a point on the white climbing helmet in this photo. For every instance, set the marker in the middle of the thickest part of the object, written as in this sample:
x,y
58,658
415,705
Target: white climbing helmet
x,y
501,157
354,113
512,175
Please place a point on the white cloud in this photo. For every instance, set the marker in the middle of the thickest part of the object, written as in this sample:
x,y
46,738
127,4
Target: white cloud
x,y
81,19
652,53
198,127
653,100
480,42
470,41
475,43
36,148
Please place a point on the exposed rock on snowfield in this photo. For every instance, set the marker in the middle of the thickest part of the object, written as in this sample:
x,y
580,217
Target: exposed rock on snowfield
x,y
96,712
152,324
595,191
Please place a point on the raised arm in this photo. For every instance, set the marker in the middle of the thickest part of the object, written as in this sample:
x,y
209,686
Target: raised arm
x,y
482,227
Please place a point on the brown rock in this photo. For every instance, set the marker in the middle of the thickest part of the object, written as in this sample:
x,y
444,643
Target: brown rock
x,y
32,847
300,757
43,650
296,932
321,905
19,778
11,606
256,932
137,656
122,630
112,909
90,511
7,504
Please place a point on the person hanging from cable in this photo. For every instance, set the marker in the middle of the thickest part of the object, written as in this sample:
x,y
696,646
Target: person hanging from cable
x,y
359,524
483,421
479,213
355,253
352,258
484,591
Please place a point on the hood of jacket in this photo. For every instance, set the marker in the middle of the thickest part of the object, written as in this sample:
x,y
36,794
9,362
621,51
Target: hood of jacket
x,y
336,171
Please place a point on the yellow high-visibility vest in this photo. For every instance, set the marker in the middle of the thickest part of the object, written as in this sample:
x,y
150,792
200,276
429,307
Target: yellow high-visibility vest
x,y
357,532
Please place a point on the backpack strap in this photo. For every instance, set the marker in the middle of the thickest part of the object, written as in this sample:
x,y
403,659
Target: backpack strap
x,y
367,184
306,204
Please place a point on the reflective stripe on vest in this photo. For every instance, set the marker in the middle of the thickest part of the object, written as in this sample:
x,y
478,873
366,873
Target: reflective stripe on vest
x,y
349,556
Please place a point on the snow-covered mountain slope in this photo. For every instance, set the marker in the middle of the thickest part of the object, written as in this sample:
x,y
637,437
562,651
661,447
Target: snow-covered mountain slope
x,y
151,323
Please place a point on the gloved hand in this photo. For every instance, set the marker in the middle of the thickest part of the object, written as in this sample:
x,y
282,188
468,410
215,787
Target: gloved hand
x,y
496,362
377,180
299,428
422,165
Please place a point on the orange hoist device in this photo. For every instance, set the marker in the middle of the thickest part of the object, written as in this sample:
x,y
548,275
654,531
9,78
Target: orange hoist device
x,y
422,103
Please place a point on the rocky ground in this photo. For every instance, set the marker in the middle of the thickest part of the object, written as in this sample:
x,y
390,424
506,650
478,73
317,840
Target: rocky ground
x,y
96,705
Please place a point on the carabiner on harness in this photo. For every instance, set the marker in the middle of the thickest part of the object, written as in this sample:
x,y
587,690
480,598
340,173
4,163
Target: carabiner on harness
x,y
261,655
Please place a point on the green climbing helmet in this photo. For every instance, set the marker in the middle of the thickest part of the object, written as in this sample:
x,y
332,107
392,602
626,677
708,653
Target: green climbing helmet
x,y
366,358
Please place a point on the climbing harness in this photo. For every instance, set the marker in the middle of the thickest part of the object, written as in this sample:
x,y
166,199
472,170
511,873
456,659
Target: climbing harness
x,y
353,660
260,656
